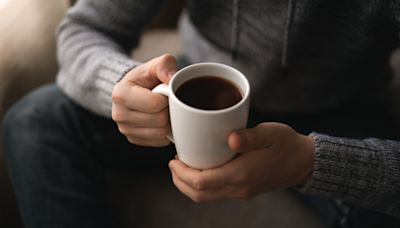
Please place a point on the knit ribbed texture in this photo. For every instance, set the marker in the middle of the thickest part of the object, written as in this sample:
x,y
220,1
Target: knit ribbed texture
x,y
365,172
317,61
94,40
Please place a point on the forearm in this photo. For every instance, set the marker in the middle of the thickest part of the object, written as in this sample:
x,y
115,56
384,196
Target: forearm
x,y
363,172
91,65
94,41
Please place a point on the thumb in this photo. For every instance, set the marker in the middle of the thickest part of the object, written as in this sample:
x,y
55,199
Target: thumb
x,y
153,72
251,139
163,68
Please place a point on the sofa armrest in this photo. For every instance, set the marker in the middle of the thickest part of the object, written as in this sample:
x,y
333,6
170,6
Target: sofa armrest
x,y
27,46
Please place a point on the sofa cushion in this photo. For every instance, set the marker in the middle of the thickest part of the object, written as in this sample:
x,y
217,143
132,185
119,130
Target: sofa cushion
x,y
27,46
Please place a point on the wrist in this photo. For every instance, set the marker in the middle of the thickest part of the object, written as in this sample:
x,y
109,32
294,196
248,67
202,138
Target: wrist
x,y
308,158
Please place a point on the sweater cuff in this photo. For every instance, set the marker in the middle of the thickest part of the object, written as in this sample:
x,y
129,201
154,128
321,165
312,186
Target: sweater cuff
x,y
343,168
112,70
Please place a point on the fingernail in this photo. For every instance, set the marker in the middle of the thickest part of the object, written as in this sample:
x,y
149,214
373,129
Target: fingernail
x,y
236,141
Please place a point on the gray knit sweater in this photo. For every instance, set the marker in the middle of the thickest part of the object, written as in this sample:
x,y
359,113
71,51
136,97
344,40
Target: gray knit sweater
x,y
299,56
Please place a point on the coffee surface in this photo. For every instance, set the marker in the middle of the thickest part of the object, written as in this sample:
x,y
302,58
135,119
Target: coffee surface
x,y
209,93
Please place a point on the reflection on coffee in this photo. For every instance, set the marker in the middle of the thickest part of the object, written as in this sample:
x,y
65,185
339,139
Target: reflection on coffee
x,y
209,93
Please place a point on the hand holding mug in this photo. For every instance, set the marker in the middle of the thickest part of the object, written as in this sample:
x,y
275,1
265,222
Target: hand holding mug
x,y
272,157
142,116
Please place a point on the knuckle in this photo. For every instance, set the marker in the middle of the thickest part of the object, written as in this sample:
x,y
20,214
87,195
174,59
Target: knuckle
x,y
123,130
199,184
117,96
117,115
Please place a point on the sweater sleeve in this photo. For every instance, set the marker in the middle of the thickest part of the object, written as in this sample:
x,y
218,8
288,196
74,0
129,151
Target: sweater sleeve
x,y
93,42
363,172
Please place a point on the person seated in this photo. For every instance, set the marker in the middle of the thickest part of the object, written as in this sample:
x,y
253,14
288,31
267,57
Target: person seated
x,y
318,120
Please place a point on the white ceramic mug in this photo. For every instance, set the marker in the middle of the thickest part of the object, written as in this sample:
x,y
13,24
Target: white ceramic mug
x,y
201,136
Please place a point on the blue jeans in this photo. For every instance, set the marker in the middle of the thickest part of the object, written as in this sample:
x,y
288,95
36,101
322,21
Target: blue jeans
x,y
59,155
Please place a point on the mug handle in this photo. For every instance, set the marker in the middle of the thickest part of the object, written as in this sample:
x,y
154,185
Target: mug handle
x,y
163,89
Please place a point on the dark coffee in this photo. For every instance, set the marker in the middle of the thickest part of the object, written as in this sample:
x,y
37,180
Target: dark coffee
x,y
209,93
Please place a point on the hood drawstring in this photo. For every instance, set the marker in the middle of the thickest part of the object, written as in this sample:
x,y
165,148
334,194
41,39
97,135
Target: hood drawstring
x,y
288,23
235,29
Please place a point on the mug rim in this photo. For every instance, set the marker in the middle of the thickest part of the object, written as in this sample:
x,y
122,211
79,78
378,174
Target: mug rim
x,y
245,97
